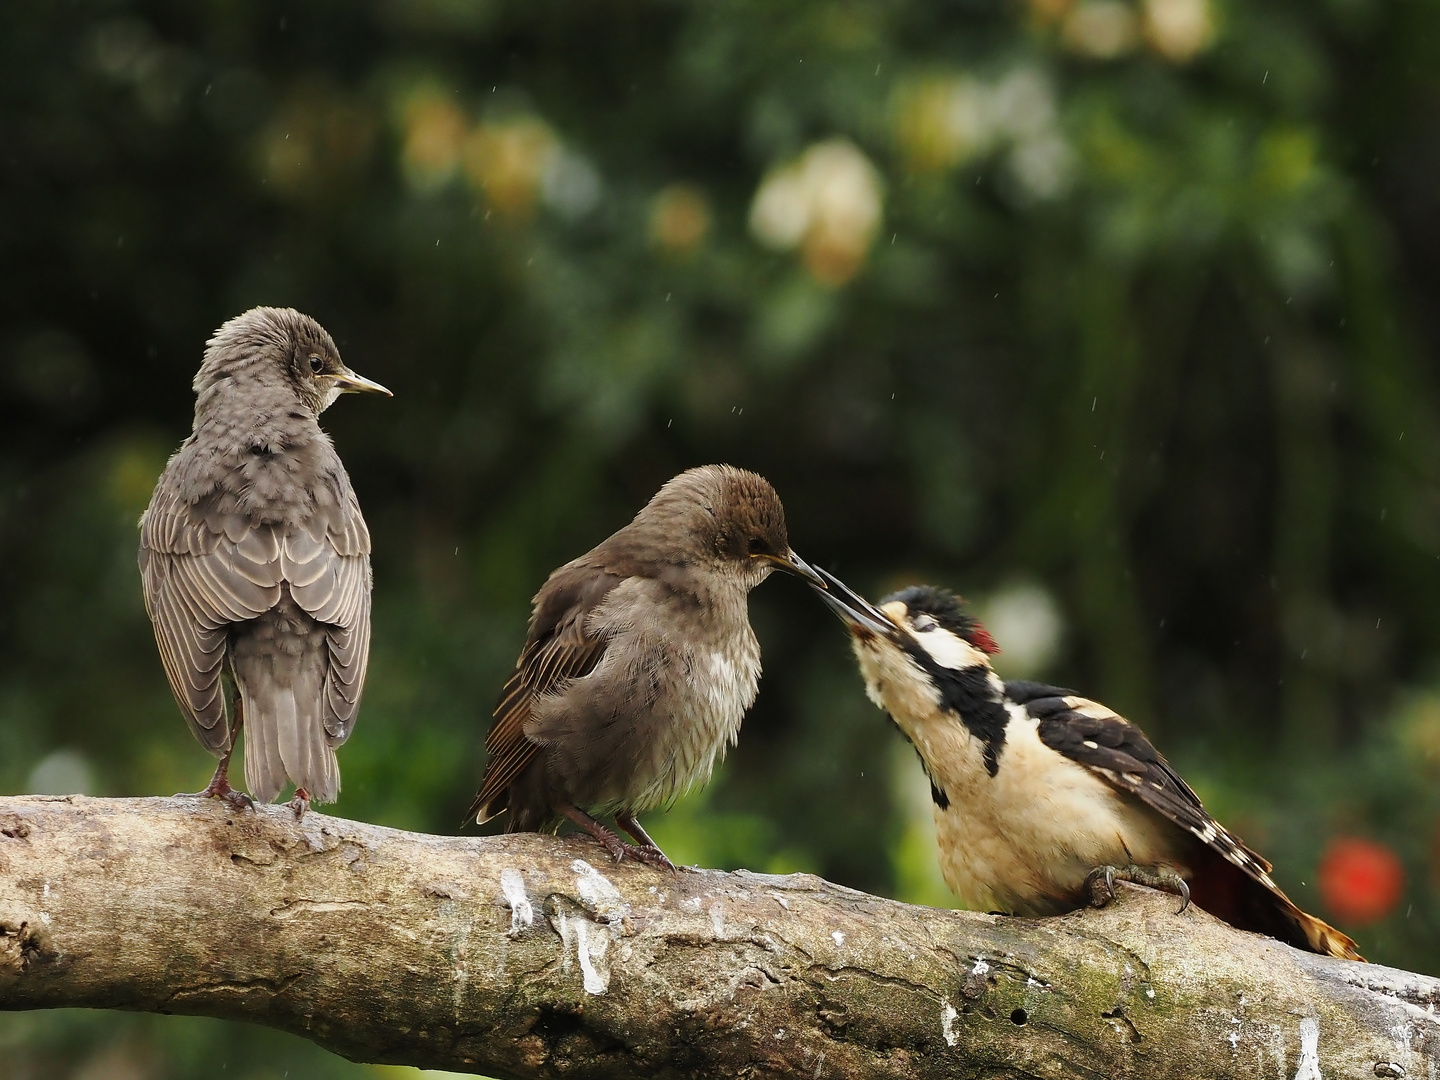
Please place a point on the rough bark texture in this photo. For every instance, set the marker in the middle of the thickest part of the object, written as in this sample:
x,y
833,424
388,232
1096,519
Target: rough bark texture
x,y
528,956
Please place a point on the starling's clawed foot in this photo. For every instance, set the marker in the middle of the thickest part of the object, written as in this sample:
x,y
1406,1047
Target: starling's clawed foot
x,y
650,855
647,851
1101,883
619,850
219,788
300,803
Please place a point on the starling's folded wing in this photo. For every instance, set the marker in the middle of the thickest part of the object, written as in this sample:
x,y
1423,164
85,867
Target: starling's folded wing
x,y
200,575
561,646
327,563
1119,753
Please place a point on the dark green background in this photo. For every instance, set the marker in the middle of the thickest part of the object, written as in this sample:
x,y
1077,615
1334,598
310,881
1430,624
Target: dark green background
x,y
1185,387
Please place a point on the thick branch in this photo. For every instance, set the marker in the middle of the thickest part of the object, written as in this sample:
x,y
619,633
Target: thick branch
x,y
528,956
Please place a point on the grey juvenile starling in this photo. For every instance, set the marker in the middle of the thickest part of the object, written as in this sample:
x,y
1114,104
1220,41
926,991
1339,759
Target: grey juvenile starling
x,y
256,561
640,662
1044,798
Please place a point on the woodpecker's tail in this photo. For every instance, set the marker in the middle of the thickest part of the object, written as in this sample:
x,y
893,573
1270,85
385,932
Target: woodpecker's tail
x,y
1249,899
1323,937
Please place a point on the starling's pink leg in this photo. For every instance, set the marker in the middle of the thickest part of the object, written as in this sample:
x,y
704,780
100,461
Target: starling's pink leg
x,y
650,851
219,786
617,848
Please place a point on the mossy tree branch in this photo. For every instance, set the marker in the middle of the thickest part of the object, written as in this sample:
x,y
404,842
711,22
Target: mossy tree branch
x,y
528,956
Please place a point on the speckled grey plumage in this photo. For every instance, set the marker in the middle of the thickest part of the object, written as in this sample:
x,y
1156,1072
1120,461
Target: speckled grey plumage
x,y
640,661
256,559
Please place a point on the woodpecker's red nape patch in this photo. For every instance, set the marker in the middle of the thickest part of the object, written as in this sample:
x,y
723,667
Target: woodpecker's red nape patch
x,y
948,610
981,639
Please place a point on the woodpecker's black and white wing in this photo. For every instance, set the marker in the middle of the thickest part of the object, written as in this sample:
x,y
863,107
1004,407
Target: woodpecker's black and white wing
x,y
1098,738
1105,742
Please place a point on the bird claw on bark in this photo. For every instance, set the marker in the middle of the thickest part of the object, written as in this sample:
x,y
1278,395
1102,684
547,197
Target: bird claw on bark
x,y
1101,883
219,788
300,803
645,849
619,849
651,855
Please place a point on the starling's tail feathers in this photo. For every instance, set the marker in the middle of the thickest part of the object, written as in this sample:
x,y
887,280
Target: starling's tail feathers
x,y
482,810
285,741
264,769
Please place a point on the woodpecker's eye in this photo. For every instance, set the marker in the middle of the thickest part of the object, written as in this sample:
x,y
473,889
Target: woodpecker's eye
x,y
922,623
316,365
756,546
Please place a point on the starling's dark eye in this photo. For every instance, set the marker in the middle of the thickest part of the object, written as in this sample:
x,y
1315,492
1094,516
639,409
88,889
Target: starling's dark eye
x,y
921,623
756,546
316,365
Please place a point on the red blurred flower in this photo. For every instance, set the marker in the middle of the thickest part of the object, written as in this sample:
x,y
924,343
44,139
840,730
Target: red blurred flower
x,y
1360,880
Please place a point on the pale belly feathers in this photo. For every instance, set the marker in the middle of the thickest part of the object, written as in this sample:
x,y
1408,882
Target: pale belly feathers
x,y
705,721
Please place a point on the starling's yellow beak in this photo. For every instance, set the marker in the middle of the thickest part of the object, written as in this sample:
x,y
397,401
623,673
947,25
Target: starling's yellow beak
x,y
792,563
861,618
348,382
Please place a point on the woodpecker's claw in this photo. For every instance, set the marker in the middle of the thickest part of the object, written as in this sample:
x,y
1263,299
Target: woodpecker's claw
x,y
1184,894
1101,878
300,803
1100,883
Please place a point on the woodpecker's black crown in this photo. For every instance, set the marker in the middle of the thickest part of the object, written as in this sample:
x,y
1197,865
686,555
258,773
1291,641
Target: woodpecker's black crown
x,y
948,610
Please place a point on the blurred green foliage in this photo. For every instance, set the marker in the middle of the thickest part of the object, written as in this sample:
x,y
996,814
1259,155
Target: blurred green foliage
x,y
1126,305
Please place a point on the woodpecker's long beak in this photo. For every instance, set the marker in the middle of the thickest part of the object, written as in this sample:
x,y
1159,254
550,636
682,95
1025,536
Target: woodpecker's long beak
x,y
348,382
793,564
860,617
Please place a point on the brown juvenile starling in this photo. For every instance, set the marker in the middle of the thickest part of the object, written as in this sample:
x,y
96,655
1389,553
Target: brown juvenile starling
x,y
1043,798
256,561
639,664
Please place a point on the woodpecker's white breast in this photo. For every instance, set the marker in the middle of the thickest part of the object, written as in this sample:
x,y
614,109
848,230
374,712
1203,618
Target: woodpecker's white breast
x,y
1024,839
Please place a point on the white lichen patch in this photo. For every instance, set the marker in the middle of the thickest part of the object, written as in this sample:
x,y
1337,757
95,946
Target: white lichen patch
x,y
838,936
522,914
982,967
948,1015
1309,1068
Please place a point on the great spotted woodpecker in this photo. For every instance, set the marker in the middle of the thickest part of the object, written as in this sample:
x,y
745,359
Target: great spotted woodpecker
x,y
1043,798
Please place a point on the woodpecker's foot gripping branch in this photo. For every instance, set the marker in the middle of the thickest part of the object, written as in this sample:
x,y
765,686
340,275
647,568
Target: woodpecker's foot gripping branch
x,y
1101,883
300,803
